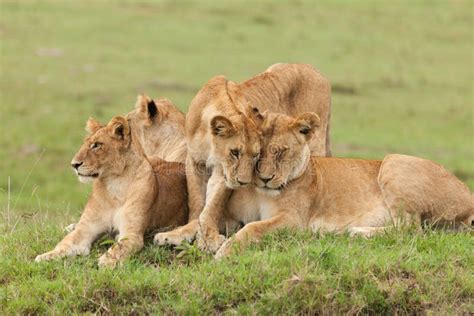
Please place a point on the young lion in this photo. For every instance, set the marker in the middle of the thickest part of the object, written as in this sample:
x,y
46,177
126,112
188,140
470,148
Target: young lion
x,y
130,194
219,123
335,194
159,126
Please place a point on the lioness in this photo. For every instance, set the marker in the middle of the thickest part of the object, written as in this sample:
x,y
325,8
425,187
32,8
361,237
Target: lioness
x,y
159,125
335,194
131,194
220,123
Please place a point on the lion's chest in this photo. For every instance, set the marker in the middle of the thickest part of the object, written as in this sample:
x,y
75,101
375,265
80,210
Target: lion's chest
x,y
246,206
117,192
114,202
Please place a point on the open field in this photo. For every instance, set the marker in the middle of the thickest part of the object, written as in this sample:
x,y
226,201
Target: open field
x,y
402,76
288,273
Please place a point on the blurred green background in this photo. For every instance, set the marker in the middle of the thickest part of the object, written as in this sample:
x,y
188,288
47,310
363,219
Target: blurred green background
x,y
401,72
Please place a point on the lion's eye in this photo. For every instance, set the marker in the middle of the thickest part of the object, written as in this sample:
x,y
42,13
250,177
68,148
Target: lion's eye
x,y
95,145
235,153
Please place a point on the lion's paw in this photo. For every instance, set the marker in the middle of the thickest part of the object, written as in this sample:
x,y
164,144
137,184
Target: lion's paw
x,y
168,239
107,261
210,242
225,250
361,231
51,255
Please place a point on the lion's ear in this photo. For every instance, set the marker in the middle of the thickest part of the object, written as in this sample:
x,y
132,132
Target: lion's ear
x,y
119,128
145,104
254,113
222,126
306,124
92,126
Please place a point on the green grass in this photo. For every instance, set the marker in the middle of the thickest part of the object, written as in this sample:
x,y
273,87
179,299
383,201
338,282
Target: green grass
x,y
289,272
402,82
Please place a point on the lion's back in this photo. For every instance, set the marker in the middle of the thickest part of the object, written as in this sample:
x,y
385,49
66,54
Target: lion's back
x,y
420,186
293,89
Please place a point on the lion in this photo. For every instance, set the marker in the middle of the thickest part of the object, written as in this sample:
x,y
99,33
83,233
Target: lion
x,y
131,194
159,126
220,122
296,190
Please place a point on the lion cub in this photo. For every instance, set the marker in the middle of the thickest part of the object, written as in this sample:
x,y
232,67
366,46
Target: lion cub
x,y
159,126
219,123
130,194
296,190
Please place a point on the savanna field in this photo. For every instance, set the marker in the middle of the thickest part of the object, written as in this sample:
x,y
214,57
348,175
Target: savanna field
x,y
402,77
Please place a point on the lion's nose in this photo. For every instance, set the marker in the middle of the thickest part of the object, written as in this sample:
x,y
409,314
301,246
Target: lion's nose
x,y
265,180
76,165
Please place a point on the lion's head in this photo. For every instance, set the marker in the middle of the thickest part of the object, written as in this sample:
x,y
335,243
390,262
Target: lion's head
x,y
159,126
101,154
236,143
285,151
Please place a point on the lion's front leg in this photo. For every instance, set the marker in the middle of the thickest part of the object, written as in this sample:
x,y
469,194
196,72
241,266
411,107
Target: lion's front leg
x,y
127,244
133,222
188,232
78,242
177,236
208,236
253,232
197,178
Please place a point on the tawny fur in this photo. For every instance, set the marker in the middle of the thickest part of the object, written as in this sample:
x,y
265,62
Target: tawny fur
x,y
220,120
159,126
336,194
131,194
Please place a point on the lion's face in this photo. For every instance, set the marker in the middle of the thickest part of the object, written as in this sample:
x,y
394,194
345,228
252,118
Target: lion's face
x,y
285,150
236,146
100,155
